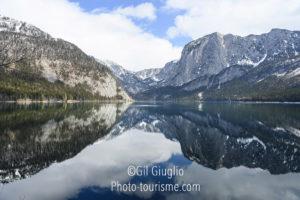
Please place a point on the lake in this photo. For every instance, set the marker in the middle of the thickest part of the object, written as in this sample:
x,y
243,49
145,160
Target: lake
x,y
114,151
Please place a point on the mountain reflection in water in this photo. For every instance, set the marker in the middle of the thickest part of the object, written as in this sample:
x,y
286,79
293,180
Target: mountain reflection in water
x,y
34,136
234,151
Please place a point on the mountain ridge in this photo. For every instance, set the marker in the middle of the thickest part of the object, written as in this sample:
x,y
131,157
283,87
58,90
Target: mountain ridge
x,y
214,67
56,69
215,59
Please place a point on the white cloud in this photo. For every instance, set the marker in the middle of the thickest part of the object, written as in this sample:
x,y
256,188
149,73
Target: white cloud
x,y
240,17
96,165
105,35
141,11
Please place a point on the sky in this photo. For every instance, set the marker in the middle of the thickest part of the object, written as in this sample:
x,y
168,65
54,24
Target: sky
x,y
140,34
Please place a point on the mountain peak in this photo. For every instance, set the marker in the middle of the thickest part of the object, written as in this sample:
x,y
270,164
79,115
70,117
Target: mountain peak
x,y
148,73
217,34
117,69
11,25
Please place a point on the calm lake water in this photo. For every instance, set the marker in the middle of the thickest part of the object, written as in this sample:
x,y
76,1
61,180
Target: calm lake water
x,y
88,151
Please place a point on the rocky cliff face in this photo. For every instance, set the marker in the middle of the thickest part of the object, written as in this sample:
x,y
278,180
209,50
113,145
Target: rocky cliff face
x,y
208,63
213,53
26,50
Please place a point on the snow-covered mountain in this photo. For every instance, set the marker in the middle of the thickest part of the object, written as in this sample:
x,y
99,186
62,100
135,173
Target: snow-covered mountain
x,y
133,82
213,53
54,68
214,67
11,25
130,82
215,61
117,69
148,73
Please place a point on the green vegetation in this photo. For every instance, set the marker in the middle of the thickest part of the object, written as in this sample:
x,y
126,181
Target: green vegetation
x,y
23,58
270,89
26,85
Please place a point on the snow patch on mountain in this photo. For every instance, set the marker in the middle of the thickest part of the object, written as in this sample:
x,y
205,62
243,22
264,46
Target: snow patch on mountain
x,y
247,141
117,69
295,72
279,74
294,131
11,25
247,61
260,61
200,95
148,73
279,129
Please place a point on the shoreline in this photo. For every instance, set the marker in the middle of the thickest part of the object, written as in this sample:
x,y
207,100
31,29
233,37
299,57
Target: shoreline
x,y
221,101
52,101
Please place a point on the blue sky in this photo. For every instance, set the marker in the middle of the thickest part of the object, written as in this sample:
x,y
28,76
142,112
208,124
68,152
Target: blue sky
x,y
158,27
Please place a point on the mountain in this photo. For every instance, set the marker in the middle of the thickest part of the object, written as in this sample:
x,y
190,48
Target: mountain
x,y
222,67
34,65
148,74
133,82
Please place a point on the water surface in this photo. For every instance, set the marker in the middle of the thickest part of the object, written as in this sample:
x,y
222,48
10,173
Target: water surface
x,y
232,150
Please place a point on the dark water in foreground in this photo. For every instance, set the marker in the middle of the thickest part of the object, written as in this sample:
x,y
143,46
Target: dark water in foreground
x,y
86,151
